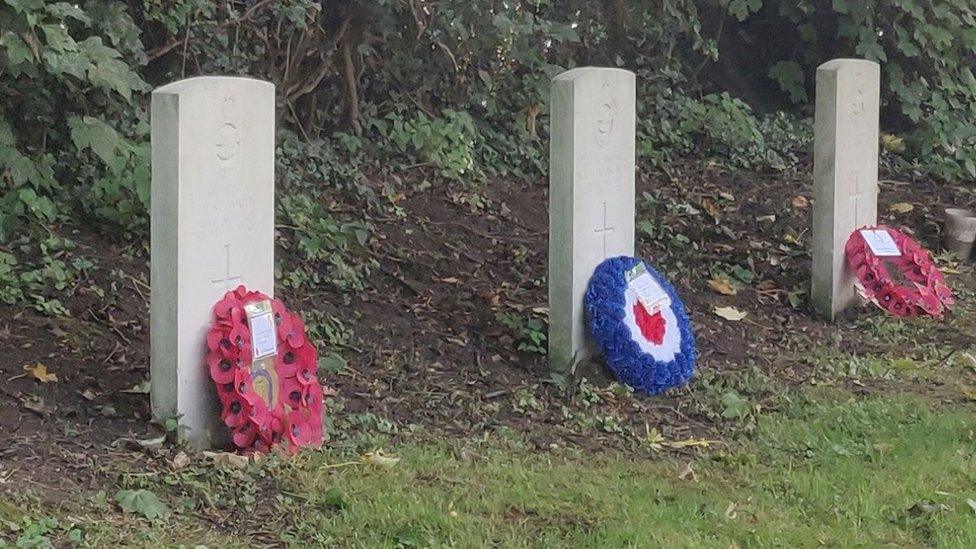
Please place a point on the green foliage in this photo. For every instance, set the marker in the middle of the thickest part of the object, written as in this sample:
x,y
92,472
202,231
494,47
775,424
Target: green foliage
x,y
925,48
446,143
64,77
529,332
721,126
141,502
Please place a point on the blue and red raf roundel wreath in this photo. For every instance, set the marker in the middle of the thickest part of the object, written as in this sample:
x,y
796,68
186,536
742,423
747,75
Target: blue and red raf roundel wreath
x,y
922,290
264,368
640,324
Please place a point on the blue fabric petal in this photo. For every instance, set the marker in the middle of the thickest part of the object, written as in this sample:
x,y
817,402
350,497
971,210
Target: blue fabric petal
x,y
605,301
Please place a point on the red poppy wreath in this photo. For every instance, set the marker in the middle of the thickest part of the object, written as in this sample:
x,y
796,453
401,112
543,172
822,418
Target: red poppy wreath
x,y
922,290
265,372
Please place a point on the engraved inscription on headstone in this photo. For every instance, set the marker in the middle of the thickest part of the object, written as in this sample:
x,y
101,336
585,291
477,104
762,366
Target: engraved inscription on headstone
x,y
228,139
604,229
606,117
591,195
228,281
845,173
212,228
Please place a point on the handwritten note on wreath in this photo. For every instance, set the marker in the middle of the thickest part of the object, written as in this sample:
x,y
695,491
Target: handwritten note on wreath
x,y
881,243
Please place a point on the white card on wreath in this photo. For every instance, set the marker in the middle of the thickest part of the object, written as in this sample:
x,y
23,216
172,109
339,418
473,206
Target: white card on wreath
x,y
881,243
648,291
264,333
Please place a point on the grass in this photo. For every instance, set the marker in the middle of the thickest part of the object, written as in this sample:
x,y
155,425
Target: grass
x,y
827,469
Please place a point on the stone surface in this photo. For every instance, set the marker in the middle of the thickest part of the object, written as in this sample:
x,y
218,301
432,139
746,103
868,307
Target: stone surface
x,y
212,221
591,195
845,173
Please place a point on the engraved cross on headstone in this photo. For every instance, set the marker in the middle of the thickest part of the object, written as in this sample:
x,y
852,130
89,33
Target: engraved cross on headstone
x,y
228,279
857,195
604,230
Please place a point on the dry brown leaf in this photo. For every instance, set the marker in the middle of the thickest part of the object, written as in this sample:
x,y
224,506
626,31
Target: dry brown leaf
x,y
800,202
901,207
40,373
722,286
688,474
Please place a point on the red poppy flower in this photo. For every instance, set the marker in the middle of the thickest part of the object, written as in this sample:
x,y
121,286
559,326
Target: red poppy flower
x,y
236,411
314,399
245,435
293,392
295,336
298,430
306,374
222,369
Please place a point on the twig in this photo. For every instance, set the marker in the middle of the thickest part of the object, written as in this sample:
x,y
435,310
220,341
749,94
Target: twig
x,y
166,48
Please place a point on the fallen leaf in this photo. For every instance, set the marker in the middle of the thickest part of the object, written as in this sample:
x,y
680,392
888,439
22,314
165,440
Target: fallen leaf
x,y
40,373
227,458
971,504
722,286
139,389
180,461
152,443
690,443
38,406
731,313
769,218
379,458
901,207
892,143
688,474
800,202
730,512
87,394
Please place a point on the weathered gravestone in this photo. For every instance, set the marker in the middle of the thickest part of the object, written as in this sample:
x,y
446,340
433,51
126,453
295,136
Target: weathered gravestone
x,y
845,173
212,221
591,195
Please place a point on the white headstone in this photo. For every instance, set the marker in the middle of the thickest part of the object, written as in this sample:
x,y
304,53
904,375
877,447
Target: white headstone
x,y
212,220
591,195
845,173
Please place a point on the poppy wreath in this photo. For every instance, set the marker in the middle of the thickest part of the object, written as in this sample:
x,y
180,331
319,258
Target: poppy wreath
x,y
649,351
288,408
924,291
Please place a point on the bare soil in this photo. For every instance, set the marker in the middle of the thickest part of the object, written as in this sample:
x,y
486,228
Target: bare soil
x,y
428,346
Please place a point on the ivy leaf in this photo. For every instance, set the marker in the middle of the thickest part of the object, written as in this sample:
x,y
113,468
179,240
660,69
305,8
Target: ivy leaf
x,y
141,502
789,76
113,74
58,38
74,63
17,50
90,132
736,407
63,10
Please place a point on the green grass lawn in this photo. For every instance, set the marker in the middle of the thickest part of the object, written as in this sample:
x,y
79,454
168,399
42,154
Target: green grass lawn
x,y
828,469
